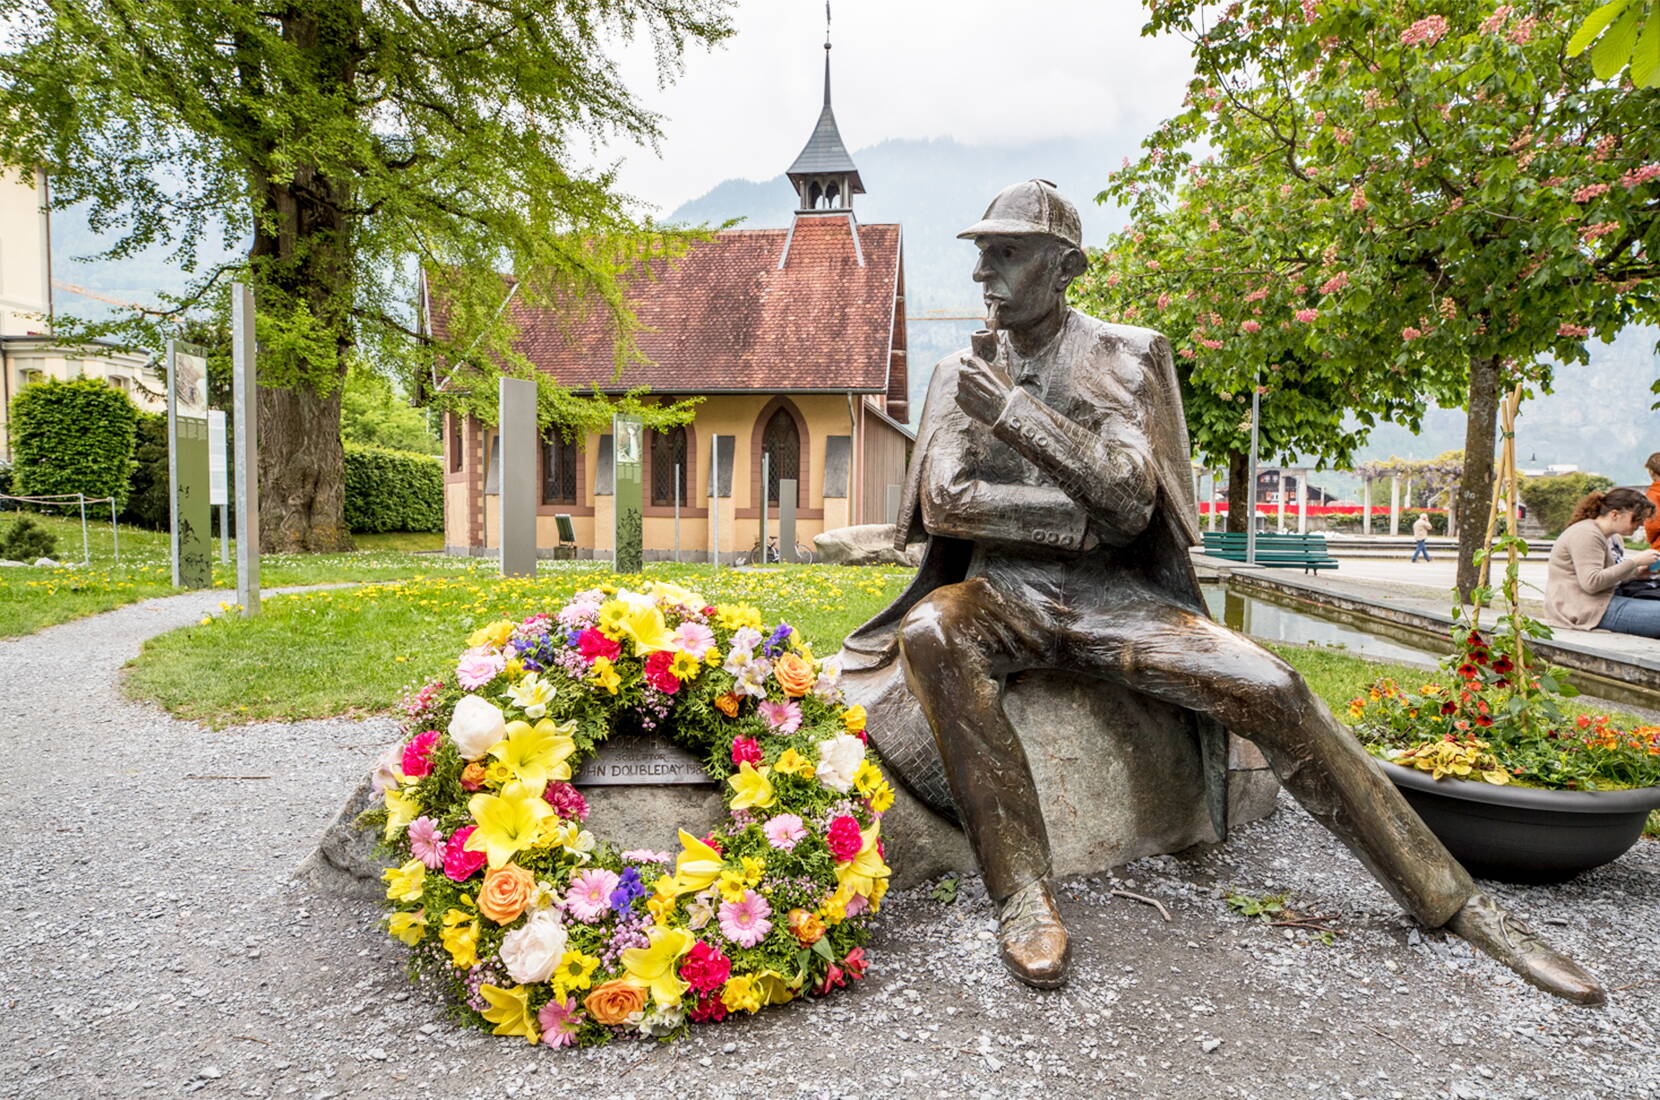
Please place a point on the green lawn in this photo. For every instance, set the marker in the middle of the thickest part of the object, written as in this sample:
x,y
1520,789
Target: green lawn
x,y
32,598
334,652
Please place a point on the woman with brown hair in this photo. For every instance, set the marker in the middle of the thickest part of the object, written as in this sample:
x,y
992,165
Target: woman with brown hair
x,y
1584,572
1651,527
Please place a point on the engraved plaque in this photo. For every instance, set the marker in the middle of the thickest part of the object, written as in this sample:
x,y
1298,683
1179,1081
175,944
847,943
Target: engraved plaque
x,y
641,759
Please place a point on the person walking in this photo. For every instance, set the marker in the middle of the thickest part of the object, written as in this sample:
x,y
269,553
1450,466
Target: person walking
x,y
1584,571
1421,531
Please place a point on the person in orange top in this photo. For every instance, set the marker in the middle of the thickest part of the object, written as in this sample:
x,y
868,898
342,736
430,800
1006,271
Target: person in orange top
x,y
1651,528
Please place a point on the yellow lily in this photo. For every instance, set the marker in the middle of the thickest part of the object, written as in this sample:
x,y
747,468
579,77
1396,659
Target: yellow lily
x,y
653,967
405,883
400,811
793,763
510,1011
508,823
536,754
411,928
697,867
605,675
861,873
753,788
673,593
773,989
646,626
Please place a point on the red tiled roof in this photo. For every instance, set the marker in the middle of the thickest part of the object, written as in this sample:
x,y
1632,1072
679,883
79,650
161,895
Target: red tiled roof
x,y
726,317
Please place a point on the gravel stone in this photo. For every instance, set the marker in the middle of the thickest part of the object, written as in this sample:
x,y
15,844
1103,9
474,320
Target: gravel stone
x,y
151,932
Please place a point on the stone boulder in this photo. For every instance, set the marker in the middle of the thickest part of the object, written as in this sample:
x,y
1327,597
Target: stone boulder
x,y
864,544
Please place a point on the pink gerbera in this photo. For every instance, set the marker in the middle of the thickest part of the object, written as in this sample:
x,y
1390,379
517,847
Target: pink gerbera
x,y
694,639
477,669
744,921
589,896
559,1022
784,832
426,843
784,718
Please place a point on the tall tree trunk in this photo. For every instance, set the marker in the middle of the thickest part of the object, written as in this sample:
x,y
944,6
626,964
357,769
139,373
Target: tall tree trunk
x,y
1475,487
1240,491
303,263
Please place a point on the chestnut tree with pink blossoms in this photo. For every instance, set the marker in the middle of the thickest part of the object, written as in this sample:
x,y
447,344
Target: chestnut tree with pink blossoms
x,y
1410,201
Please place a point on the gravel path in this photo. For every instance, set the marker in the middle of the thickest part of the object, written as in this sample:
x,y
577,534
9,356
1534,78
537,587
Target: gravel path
x,y
152,943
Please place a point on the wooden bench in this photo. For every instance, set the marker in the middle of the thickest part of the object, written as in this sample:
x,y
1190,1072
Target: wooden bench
x,y
1305,552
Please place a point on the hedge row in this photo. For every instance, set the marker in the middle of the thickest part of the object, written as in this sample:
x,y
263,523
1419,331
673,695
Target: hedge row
x,y
72,437
393,491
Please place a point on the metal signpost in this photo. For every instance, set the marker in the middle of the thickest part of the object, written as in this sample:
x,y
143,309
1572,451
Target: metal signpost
x,y
219,479
516,399
189,510
245,417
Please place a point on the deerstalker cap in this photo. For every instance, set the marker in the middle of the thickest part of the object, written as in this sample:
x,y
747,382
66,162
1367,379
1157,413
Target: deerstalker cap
x,y
1032,208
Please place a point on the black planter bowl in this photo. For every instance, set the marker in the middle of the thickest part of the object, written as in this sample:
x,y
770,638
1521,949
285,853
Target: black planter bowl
x,y
1521,834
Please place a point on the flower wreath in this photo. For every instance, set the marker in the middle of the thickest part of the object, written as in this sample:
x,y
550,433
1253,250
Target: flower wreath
x,y
548,933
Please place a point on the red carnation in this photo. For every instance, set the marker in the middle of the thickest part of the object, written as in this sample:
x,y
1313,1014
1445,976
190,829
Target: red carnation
x,y
705,968
415,754
592,645
709,1010
746,750
658,674
844,838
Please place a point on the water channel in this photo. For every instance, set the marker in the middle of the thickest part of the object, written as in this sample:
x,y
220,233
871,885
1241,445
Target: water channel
x,y
1273,622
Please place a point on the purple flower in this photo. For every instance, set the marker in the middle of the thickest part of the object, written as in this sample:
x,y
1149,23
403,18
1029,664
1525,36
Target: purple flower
x,y
776,640
629,889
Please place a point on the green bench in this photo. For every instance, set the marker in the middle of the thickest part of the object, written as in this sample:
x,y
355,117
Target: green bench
x,y
1305,552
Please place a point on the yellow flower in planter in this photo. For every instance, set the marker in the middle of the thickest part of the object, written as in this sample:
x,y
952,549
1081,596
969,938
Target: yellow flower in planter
x,y
653,967
536,754
510,1011
508,823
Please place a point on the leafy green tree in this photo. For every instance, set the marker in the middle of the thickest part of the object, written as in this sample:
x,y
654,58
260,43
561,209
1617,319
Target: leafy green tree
x,y
1552,499
1626,32
72,437
352,142
372,414
1447,198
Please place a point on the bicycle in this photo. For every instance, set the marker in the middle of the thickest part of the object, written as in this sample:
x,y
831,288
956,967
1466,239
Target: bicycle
x,y
803,554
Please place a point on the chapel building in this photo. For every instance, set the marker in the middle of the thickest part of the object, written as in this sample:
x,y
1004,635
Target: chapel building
x,y
795,339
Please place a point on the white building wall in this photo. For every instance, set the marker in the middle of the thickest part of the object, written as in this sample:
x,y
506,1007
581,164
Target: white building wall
x,y
25,254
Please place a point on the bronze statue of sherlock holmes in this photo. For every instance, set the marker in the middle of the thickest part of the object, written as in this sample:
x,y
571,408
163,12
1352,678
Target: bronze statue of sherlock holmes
x,y
1050,480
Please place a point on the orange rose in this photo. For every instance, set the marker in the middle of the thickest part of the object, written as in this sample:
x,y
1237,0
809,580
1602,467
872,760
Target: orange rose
x,y
806,927
506,892
615,1001
728,704
472,776
795,674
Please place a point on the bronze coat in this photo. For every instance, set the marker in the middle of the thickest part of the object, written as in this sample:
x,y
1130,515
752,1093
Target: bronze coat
x,y
1103,359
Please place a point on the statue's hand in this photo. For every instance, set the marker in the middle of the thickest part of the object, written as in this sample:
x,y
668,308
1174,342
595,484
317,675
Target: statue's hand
x,y
982,389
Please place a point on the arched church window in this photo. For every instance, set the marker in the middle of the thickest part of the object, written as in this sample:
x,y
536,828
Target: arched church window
x,y
781,443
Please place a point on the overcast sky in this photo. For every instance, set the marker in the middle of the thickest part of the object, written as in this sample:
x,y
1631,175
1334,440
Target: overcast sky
x,y
981,72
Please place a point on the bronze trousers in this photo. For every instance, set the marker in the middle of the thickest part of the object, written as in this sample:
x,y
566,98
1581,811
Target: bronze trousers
x,y
962,640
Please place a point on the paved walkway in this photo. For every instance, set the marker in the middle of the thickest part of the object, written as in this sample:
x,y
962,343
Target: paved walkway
x,y
153,944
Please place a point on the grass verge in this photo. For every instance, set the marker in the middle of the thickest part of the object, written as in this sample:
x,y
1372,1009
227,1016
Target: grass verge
x,y
316,654
32,598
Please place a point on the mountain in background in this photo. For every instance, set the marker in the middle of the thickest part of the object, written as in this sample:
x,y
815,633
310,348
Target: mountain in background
x,y
1598,419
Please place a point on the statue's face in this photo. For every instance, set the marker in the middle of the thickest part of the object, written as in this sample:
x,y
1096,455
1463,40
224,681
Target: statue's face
x,y
1021,276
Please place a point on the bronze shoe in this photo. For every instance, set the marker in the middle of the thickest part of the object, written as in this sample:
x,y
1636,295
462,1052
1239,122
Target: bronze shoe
x,y
1031,937
1495,932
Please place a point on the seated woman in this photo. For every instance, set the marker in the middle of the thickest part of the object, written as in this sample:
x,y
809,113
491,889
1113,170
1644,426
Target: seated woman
x,y
1584,570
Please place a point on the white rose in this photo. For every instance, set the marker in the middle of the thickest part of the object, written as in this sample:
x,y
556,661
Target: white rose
x,y
476,725
532,950
838,759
